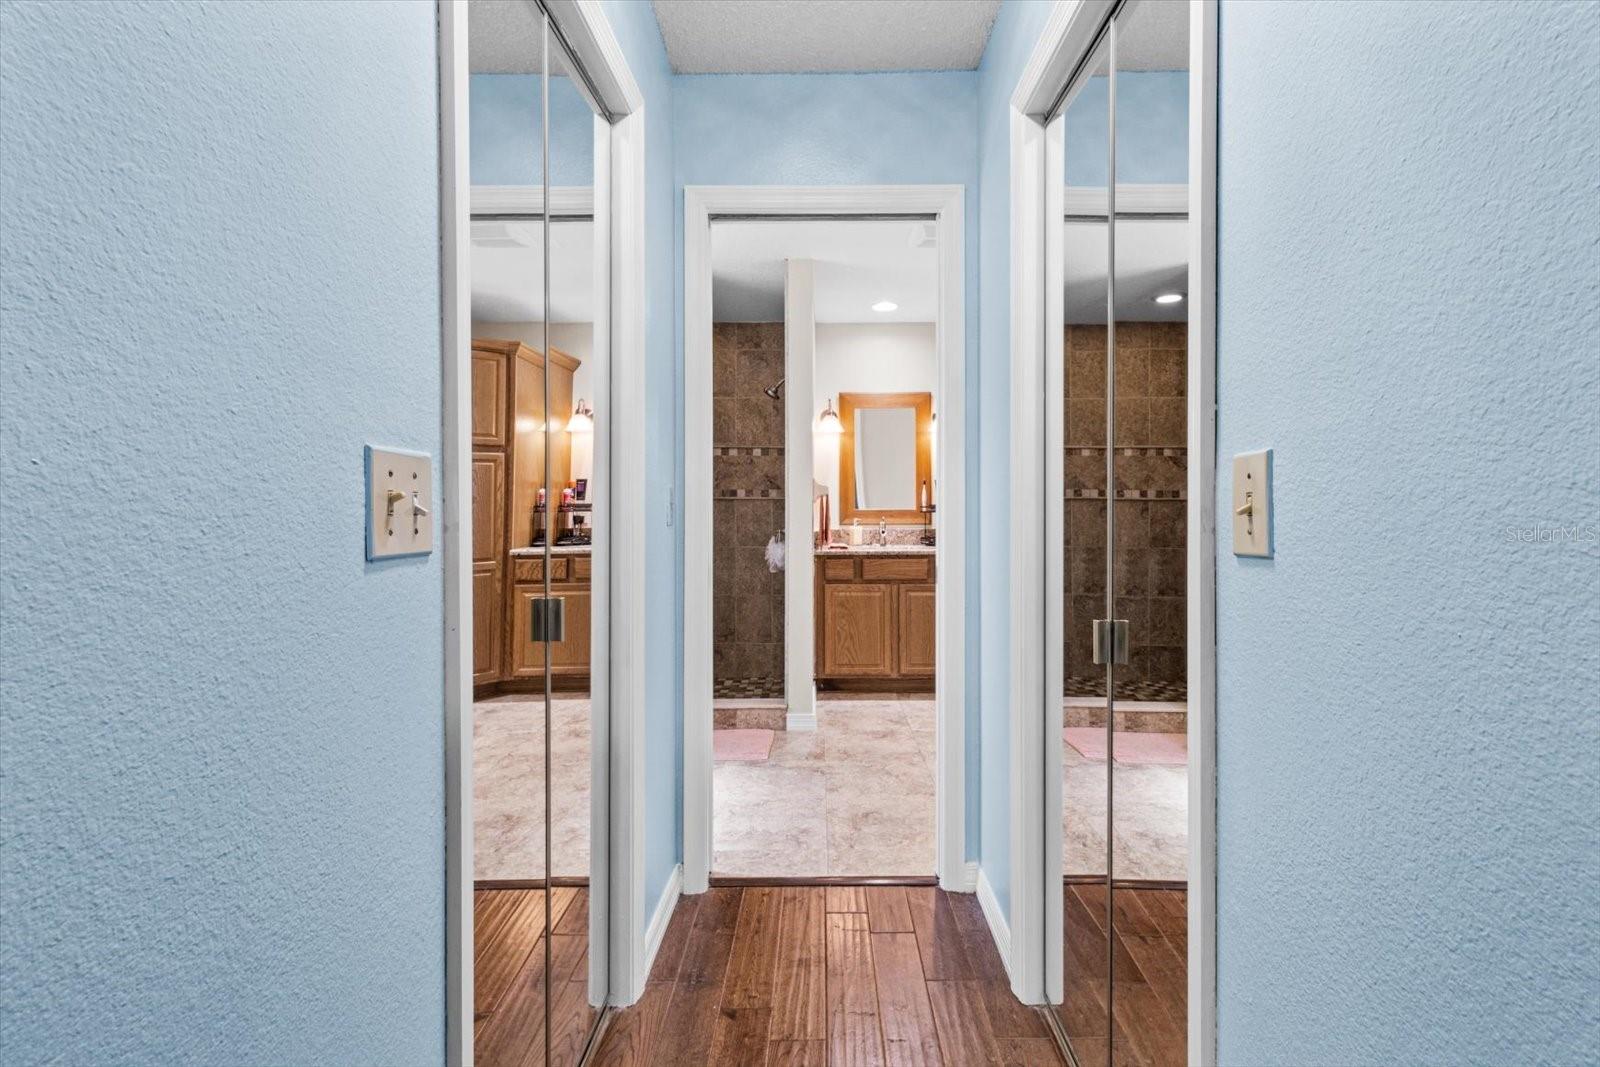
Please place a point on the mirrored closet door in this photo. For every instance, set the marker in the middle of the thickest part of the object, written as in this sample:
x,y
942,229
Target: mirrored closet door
x,y
1123,247
538,288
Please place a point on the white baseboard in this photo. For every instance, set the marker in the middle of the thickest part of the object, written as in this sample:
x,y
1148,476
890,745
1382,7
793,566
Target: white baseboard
x,y
659,920
798,721
966,879
999,929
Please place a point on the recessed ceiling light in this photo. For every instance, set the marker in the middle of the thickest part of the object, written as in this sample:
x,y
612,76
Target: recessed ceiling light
x,y
886,305
1170,298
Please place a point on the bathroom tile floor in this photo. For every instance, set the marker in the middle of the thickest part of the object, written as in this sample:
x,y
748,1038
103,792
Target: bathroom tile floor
x,y
508,788
854,797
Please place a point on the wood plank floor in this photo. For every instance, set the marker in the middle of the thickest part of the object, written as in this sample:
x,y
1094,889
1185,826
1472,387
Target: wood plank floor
x,y
509,976
1151,977
809,976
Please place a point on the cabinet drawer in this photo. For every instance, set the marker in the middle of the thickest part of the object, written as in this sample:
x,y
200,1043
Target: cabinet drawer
x,y
531,569
582,568
839,570
899,569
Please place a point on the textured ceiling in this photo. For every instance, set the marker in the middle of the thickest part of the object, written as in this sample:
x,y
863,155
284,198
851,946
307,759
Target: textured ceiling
x,y
858,264
504,37
1153,35
782,36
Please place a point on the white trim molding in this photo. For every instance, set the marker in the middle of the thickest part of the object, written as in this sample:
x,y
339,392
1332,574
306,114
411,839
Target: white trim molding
x,y
455,503
945,204
999,930
1202,524
529,199
1039,200
1132,199
661,916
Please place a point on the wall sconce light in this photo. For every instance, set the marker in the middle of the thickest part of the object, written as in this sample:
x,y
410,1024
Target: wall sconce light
x,y
828,422
582,418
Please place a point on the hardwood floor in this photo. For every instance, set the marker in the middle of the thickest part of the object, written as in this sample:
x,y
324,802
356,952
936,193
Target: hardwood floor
x,y
1151,977
509,976
818,975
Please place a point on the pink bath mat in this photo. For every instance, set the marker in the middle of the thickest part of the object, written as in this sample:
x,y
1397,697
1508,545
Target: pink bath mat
x,y
1165,750
749,746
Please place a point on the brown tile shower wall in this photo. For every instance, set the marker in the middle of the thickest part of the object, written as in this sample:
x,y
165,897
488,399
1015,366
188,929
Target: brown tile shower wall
x,y
1150,465
747,483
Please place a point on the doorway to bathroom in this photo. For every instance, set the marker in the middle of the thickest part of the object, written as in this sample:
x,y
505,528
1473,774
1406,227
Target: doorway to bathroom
x,y
823,719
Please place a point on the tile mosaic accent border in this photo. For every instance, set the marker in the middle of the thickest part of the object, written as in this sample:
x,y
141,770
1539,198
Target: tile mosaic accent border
x,y
749,494
747,450
1133,689
746,688
1129,494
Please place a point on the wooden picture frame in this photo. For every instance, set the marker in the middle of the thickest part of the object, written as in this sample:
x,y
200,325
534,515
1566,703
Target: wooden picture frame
x,y
849,403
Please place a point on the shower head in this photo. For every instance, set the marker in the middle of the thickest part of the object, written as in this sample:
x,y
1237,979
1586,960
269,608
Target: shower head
x,y
774,390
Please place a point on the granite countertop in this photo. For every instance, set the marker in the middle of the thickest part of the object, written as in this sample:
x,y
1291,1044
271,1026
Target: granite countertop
x,y
555,550
877,550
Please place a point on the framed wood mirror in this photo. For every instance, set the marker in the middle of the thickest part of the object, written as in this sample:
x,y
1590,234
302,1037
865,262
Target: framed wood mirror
x,y
885,456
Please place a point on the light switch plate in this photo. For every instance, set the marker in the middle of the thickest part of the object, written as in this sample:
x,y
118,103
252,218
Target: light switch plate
x,y
1252,503
403,525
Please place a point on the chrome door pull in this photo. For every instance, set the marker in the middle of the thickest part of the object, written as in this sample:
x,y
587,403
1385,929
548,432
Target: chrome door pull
x,y
1110,635
549,622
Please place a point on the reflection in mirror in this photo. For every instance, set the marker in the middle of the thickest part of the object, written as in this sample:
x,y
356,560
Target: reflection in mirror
x,y
1084,1010
1125,276
1147,742
536,410
886,455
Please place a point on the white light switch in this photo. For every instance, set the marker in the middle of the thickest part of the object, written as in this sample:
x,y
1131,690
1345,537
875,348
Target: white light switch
x,y
399,503
1252,503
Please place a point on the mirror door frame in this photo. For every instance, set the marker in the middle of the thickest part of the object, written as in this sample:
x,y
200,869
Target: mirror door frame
x,y
1037,203
618,963
945,204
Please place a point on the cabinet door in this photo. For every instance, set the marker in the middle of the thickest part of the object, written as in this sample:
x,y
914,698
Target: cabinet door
x,y
570,656
488,506
487,631
527,658
916,630
488,400
856,631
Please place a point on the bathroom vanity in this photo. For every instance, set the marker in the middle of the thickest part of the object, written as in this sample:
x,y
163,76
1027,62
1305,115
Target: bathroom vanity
x,y
508,471
875,618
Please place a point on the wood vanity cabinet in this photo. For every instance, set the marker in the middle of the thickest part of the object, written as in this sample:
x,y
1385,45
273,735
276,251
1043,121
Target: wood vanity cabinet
x,y
569,658
875,620
508,465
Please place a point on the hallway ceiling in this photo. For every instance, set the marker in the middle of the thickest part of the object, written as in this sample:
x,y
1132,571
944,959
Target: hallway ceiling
x,y
784,37
508,271
858,264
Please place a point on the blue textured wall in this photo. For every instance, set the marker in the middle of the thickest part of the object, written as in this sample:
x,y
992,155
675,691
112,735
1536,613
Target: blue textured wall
x,y
1015,32
1408,728
507,120
635,26
220,729
1152,129
848,129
